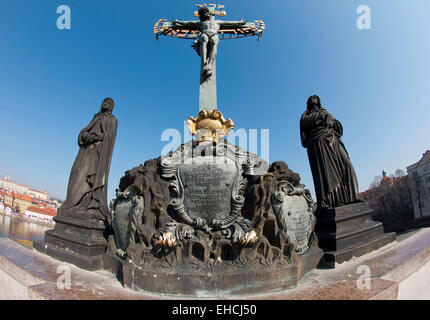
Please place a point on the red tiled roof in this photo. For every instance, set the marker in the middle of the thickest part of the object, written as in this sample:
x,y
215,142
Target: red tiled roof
x,y
45,211
22,197
365,192
396,180
2,193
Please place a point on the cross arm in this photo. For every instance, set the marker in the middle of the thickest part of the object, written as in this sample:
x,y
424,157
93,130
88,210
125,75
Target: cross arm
x,y
190,25
177,29
226,24
239,29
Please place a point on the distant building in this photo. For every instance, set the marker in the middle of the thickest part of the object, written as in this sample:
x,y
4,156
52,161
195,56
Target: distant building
x,y
419,181
41,214
11,186
2,196
41,211
19,202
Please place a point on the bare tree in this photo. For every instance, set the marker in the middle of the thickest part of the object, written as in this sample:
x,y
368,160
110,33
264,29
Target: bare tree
x,y
391,201
399,173
376,182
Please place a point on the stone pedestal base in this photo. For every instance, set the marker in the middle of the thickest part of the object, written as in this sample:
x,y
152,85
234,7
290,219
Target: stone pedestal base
x,y
79,240
222,280
349,231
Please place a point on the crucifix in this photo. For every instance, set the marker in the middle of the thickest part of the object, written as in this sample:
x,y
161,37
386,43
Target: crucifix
x,y
207,32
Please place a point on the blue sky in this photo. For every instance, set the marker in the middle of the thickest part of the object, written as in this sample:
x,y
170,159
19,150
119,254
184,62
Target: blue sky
x,y
376,82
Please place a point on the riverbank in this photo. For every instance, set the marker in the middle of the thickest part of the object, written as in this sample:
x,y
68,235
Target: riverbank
x,y
23,218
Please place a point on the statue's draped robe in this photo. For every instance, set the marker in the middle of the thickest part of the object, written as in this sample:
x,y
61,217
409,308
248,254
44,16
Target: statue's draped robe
x,y
333,174
88,180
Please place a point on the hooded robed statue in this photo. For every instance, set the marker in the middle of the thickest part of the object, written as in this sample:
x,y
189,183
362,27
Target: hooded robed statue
x,y
333,174
88,182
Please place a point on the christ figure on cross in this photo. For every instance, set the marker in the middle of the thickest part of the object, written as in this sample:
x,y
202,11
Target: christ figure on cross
x,y
207,32
206,45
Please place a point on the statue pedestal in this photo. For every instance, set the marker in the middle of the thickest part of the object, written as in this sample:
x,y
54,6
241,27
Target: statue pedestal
x,y
79,234
349,231
223,280
77,238
211,219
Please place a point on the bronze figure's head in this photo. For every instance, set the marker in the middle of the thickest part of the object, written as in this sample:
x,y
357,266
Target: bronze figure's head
x,y
204,13
107,105
314,102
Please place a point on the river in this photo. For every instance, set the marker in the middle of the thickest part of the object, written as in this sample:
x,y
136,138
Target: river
x,y
14,228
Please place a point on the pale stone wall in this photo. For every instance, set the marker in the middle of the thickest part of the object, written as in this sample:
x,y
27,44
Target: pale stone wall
x,y
11,289
416,286
419,181
38,216
37,194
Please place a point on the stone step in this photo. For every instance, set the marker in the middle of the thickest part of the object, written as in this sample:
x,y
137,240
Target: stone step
x,y
91,263
345,217
344,225
329,241
331,258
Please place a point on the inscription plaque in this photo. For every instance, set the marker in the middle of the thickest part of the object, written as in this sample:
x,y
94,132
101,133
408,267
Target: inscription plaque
x,y
208,186
206,180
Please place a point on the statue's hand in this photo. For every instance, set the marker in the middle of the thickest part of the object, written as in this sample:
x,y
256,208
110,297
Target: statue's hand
x,y
330,121
96,137
86,138
90,138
